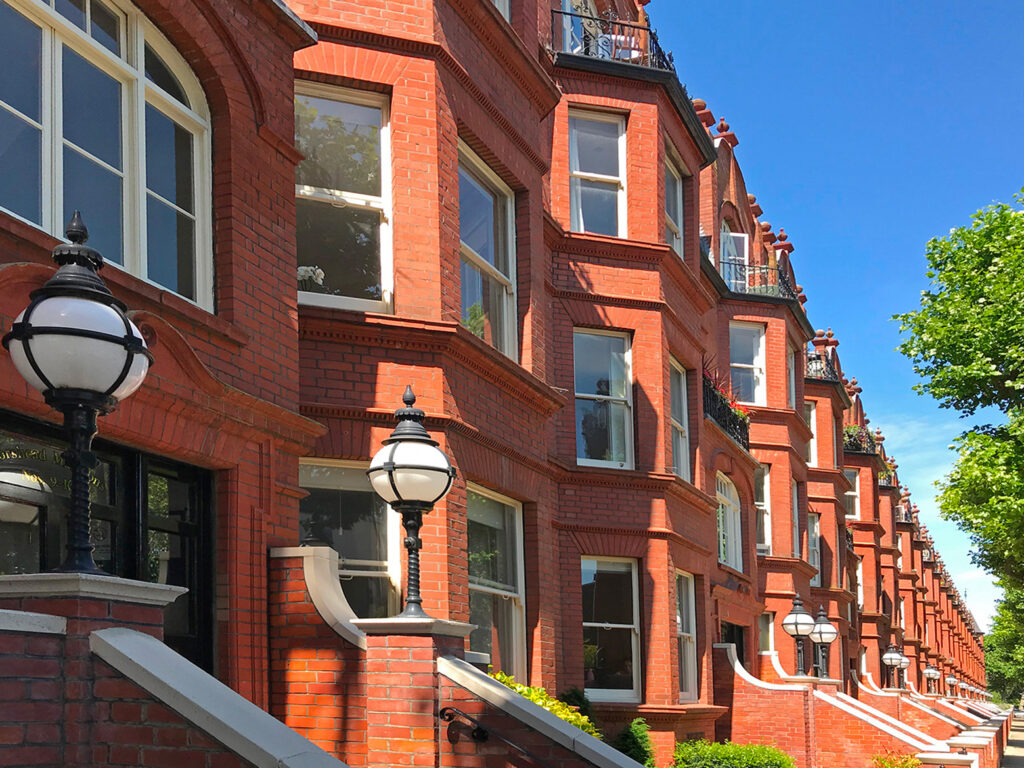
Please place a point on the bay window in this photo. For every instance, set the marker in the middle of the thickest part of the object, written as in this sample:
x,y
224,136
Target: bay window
x,y
730,528
496,581
686,636
342,206
851,498
678,421
342,512
762,503
814,546
604,419
99,113
487,248
674,211
597,163
611,629
746,362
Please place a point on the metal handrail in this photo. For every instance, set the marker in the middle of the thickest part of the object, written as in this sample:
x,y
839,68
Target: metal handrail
x,y
718,409
481,733
820,367
608,38
755,279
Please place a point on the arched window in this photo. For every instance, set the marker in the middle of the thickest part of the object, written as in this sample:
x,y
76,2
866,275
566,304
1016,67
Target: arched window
x,y
98,112
730,526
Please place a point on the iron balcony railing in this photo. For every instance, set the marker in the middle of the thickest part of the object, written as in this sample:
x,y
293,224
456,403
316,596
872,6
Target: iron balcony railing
x,y
717,408
609,39
819,367
859,441
886,479
756,280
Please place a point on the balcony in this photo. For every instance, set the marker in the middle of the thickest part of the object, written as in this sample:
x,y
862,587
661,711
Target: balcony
x,y
819,367
609,39
887,479
858,440
756,280
718,409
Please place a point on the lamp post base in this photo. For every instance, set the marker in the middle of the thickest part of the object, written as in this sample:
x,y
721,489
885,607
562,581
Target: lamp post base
x,y
412,520
80,425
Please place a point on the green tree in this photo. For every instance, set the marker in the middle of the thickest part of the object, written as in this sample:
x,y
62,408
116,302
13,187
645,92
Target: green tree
x,y
1004,647
967,339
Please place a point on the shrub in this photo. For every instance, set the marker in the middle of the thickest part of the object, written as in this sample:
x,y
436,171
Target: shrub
x,y
542,698
894,760
635,742
706,754
575,697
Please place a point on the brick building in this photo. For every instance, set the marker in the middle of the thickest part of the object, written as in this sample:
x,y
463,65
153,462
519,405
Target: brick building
x,y
515,207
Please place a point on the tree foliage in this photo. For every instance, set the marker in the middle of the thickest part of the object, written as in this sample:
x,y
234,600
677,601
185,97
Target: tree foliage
x,y
1004,647
967,339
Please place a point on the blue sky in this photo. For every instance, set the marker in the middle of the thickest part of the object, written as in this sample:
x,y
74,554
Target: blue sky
x,y
865,129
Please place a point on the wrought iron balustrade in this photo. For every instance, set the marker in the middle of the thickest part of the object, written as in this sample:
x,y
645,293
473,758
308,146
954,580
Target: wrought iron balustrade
x,y
756,280
717,408
859,440
819,367
886,479
608,38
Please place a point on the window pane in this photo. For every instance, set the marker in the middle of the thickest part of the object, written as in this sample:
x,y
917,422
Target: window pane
x,y
73,11
483,303
369,597
743,384
352,522
169,561
600,364
673,192
744,344
764,627
492,542
601,430
105,27
160,74
596,146
19,534
341,144
20,76
96,192
169,500
678,395
608,658
480,218
684,605
687,666
597,204
92,110
170,248
607,592
20,167
168,159
495,618
344,243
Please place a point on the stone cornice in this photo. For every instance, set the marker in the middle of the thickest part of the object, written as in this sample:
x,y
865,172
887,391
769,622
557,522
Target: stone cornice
x,y
647,533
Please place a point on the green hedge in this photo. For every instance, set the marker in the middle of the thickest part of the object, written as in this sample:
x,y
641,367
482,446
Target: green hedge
x,y
635,742
706,754
542,698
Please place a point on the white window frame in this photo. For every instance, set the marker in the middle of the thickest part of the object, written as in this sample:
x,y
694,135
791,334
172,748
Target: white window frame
x,y
613,694
757,365
770,626
576,215
730,523
342,198
487,178
680,430
811,417
791,374
837,428
503,7
674,229
855,493
738,279
686,642
814,546
627,400
860,585
764,509
795,513
518,598
393,570
129,71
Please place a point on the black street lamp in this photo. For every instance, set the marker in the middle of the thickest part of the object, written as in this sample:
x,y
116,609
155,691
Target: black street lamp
x,y
822,635
891,659
411,474
904,664
951,685
75,344
798,624
931,674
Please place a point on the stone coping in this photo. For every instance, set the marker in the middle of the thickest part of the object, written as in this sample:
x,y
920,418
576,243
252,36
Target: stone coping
x,y
397,625
35,623
88,586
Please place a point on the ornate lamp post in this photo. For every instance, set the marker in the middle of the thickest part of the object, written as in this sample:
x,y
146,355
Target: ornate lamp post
x,y
75,344
891,659
951,685
411,474
798,624
904,664
963,688
931,674
822,635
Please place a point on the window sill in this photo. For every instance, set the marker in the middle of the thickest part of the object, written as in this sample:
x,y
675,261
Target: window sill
x,y
347,303
595,464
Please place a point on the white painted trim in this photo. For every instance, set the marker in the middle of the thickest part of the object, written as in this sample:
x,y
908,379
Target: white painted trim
x,y
320,571
895,722
741,672
531,715
36,623
238,724
876,722
398,625
934,712
948,759
88,585
783,674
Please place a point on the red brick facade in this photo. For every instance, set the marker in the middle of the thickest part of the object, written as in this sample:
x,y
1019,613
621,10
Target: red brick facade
x,y
247,391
